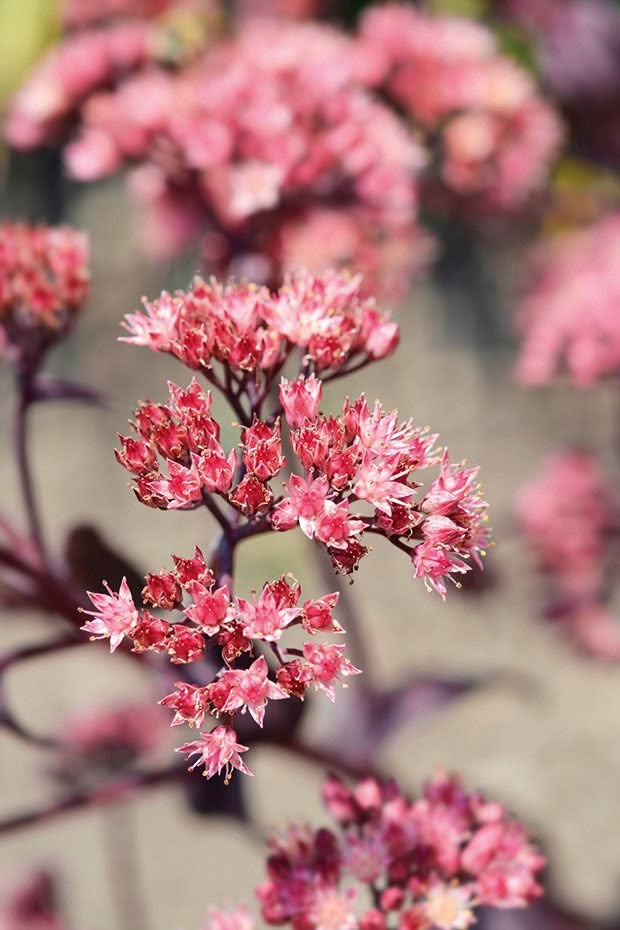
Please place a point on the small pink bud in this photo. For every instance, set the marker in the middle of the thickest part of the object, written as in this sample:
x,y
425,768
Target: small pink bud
x,y
300,399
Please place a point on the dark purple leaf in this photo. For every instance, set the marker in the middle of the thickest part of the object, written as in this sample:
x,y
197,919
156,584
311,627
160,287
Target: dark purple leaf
x,y
91,559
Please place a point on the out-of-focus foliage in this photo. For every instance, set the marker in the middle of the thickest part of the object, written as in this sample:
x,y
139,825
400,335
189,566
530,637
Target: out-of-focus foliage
x,y
26,29
581,192
472,8
515,42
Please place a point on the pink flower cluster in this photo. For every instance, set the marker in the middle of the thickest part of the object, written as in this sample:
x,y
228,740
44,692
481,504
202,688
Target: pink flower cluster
x,y
44,280
567,513
108,75
245,144
279,144
496,136
327,236
68,76
564,512
247,328
363,458
421,864
209,616
570,319
362,455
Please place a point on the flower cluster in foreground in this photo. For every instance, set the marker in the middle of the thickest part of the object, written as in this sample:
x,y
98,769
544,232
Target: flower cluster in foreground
x,y
570,319
44,280
362,456
209,618
396,863
569,516
354,473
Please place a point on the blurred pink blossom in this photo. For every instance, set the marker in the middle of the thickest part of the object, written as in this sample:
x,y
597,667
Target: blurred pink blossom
x,y
570,317
32,905
71,71
563,511
496,136
435,859
567,513
285,143
110,738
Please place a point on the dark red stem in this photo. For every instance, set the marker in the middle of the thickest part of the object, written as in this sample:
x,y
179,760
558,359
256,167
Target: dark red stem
x,y
112,793
121,789
25,398
215,512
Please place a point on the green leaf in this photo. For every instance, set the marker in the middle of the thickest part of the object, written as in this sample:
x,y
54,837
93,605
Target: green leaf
x,y
475,9
27,28
516,43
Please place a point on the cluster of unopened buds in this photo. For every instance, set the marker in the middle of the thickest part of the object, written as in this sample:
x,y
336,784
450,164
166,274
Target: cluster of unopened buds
x,y
44,281
286,142
570,318
355,473
395,863
570,516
